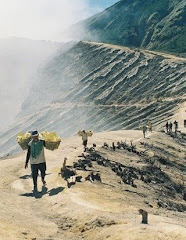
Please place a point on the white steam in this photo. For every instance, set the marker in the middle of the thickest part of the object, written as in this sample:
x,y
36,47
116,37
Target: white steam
x,y
40,19
20,58
19,61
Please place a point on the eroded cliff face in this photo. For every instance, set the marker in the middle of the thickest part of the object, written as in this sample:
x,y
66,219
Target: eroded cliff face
x,y
101,87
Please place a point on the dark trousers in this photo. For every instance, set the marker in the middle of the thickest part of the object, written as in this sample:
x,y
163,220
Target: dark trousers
x,y
85,143
35,168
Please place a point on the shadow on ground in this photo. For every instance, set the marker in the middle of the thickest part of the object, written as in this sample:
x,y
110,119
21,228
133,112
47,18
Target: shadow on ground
x,y
44,191
30,176
25,176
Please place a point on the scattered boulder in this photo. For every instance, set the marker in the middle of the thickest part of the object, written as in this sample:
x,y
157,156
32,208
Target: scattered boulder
x,y
144,216
67,172
92,177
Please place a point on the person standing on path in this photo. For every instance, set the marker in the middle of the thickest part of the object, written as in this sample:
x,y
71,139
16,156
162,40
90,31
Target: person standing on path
x,y
167,126
170,127
149,126
144,128
85,140
36,156
176,126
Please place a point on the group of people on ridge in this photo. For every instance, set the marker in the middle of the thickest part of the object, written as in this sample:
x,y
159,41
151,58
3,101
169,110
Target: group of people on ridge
x,y
169,126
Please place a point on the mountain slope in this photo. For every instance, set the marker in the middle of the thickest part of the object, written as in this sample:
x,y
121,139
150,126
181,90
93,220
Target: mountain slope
x,y
101,87
156,25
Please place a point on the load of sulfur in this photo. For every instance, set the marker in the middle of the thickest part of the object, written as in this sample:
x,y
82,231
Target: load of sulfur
x,y
23,140
52,140
88,132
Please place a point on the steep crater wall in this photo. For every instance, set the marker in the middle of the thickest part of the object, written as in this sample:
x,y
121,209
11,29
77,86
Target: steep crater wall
x,y
101,87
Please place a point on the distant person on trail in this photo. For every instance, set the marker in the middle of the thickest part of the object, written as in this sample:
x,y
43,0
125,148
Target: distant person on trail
x,y
144,129
176,126
167,126
149,126
37,158
85,140
170,127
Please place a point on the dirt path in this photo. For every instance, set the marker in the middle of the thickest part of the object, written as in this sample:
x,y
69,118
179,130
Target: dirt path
x,y
166,55
85,211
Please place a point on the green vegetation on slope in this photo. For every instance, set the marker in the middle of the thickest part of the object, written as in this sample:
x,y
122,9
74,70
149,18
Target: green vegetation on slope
x,y
152,24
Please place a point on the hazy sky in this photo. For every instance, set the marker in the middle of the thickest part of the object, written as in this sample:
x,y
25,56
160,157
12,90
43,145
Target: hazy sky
x,y
45,19
20,58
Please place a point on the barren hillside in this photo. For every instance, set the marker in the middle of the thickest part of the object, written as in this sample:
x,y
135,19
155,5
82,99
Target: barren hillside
x,y
101,87
106,209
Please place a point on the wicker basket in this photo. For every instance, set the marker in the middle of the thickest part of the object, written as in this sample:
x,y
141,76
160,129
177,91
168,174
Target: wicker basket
x,y
52,145
89,133
80,133
23,140
24,144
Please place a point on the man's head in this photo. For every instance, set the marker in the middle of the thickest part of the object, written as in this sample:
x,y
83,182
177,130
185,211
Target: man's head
x,y
35,135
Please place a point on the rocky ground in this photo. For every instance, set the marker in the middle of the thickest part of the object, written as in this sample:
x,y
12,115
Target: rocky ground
x,y
117,180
